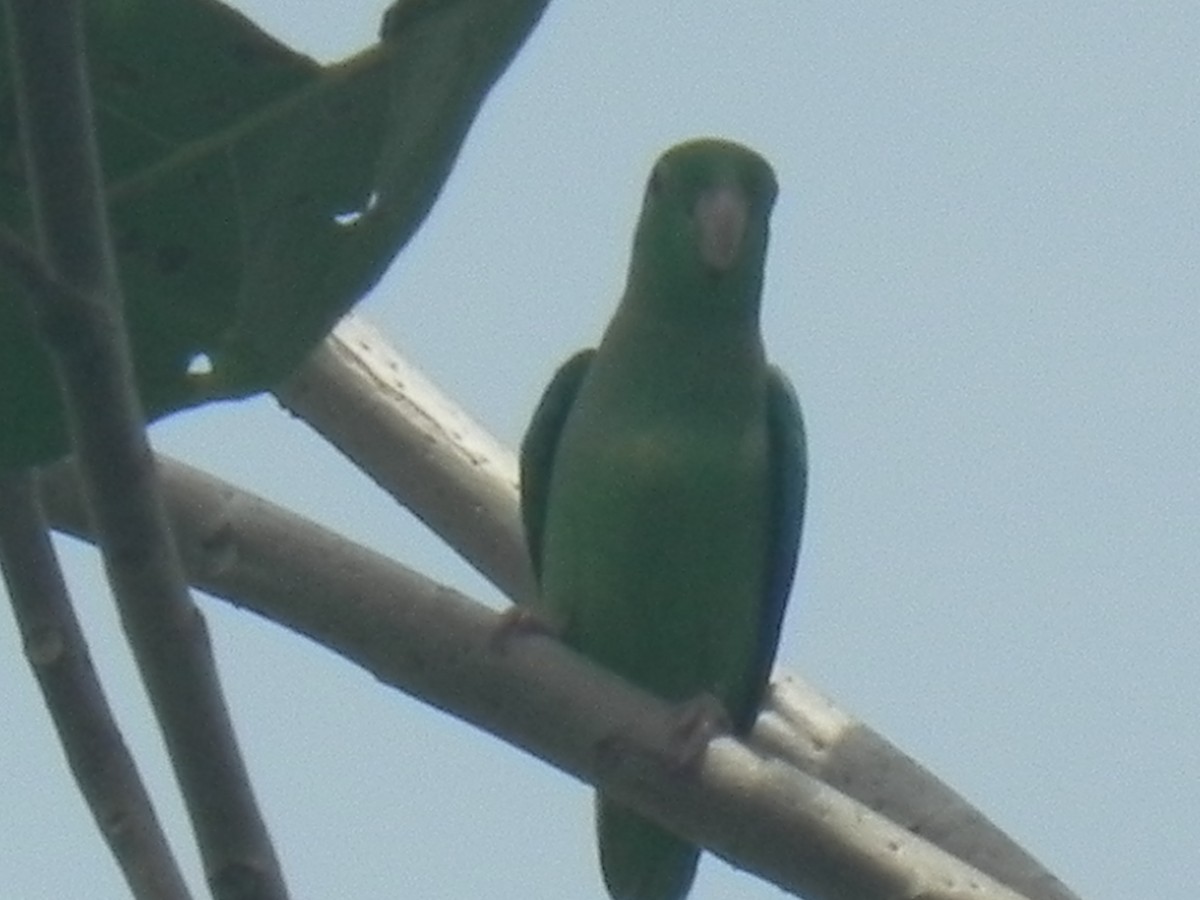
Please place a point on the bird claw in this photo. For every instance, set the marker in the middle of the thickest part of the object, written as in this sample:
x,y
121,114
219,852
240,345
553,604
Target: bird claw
x,y
521,621
697,722
694,723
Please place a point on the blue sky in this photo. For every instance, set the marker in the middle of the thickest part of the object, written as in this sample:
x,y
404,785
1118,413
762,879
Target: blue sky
x,y
983,280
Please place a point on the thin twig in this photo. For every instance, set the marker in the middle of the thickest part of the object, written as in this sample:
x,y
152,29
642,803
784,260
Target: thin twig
x,y
57,653
83,330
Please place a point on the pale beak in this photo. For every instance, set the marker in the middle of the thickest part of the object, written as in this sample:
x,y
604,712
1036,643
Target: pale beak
x,y
721,213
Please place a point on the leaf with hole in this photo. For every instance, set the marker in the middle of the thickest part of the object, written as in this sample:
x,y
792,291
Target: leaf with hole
x,y
254,195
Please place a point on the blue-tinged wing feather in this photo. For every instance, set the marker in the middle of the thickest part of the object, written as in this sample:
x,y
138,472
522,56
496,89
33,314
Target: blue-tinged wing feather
x,y
540,446
788,479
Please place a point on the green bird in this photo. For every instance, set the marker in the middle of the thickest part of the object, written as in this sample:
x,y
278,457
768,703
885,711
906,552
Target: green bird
x,y
663,477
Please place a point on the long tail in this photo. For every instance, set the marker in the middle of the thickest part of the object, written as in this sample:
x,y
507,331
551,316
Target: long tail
x,y
641,860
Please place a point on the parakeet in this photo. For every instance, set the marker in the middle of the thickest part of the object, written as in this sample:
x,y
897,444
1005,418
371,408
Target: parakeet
x,y
663,477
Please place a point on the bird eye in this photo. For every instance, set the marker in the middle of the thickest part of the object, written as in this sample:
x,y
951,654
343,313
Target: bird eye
x,y
654,185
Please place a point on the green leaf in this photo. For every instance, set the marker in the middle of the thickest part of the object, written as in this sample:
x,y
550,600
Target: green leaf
x,y
254,195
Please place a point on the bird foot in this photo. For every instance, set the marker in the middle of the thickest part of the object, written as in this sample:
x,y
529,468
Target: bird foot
x,y
521,621
697,722
693,724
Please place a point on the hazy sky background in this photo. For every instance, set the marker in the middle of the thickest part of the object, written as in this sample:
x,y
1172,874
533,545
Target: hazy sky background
x,y
982,279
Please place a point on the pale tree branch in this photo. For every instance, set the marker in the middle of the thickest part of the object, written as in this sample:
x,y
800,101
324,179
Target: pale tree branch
x,y
57,653
241,548
82,329
758,812
418,445
425,451
801,726
405,432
